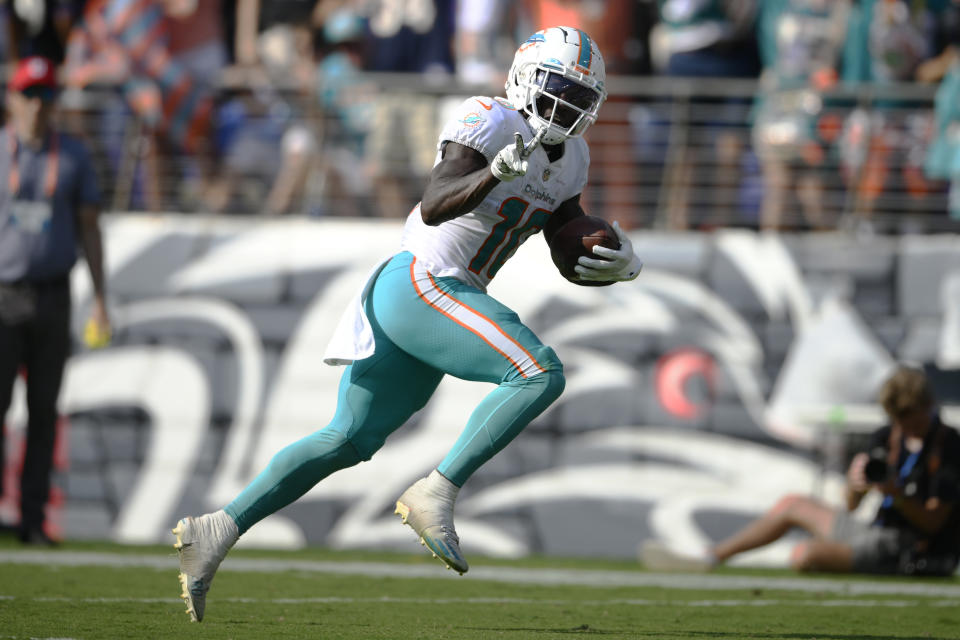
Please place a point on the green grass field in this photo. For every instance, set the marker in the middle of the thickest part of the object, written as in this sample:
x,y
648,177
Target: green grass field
x,y
88,591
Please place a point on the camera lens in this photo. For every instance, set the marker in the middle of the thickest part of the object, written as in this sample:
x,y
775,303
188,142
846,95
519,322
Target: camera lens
x,y
876,468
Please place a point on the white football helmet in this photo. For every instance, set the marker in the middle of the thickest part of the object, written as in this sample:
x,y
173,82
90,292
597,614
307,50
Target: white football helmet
x,y
557,79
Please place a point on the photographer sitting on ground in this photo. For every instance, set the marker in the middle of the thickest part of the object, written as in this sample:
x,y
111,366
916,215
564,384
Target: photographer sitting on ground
x,y
914,462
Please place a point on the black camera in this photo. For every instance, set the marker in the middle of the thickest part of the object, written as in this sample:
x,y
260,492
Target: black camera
x,y
877,469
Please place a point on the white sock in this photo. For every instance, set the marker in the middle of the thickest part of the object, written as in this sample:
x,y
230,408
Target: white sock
x,y
225,527
442,487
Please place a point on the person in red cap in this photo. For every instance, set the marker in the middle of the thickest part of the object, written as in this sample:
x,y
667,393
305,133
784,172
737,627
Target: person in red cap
x,y
34,73
49,207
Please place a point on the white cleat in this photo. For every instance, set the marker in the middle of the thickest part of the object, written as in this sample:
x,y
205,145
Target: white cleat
x,y
202,543
431,517
656,556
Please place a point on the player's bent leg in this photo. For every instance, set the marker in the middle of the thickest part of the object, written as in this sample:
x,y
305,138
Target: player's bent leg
x,y
428,505
292,472
460,330
376,396
202,543
382,393
502,415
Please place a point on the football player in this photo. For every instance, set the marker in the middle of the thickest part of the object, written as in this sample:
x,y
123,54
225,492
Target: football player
x,y
505,169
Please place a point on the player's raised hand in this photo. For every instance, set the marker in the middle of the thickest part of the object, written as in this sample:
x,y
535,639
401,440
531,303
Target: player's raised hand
x,y
613,265
533,144
511,161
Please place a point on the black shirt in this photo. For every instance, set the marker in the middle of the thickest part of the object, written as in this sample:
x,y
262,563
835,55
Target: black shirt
x,y
932,472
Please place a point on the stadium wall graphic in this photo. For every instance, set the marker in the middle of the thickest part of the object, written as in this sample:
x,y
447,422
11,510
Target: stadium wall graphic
x,y
738,367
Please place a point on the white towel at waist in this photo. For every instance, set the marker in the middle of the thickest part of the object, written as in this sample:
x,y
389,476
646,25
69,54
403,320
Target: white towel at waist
x,y
353,337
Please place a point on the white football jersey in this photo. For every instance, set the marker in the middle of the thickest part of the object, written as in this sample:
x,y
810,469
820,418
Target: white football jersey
x,y
474,246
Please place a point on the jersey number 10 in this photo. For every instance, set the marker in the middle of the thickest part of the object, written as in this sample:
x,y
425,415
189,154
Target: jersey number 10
x,y
507,235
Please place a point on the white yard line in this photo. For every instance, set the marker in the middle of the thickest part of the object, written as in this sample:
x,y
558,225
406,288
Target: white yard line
x,y
635,602
544,577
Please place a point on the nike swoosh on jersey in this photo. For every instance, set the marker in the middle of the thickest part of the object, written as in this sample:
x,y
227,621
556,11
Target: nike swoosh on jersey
x,y
485,106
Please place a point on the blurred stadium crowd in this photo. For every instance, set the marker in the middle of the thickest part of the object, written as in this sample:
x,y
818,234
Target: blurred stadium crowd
x,y
771,114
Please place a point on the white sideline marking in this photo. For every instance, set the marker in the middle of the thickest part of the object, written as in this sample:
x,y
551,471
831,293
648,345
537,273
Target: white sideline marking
x,y
547,577
637,602
32,638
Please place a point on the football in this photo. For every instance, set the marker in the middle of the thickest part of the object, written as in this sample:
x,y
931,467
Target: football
x,y
577,238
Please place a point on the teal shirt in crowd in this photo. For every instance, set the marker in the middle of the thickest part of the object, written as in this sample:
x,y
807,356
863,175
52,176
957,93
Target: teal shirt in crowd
x,y
694,24
879,51
943,157
678,14
793,39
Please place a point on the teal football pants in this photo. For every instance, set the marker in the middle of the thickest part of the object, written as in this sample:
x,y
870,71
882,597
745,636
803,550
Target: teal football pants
x,y
424,327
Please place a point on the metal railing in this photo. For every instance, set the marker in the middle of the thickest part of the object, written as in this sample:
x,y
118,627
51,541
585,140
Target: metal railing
x,y
671,153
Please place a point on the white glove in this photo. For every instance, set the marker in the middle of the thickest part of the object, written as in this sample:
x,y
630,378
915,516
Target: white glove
x,y
619,264
511,161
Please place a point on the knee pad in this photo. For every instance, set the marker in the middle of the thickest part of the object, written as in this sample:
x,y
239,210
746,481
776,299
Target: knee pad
x,y
327,444
555,383
545,357
552,373
366,444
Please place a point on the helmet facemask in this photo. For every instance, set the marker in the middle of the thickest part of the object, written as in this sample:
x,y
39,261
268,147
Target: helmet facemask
x,y
563,105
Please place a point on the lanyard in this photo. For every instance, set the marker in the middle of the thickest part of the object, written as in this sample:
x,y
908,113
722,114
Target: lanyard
x,y
908,465
50,175
905,470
